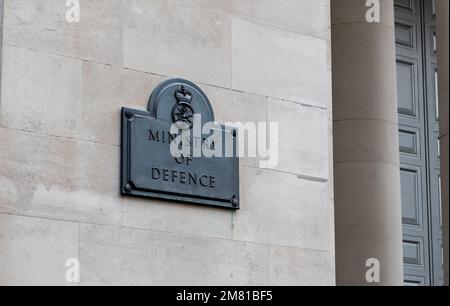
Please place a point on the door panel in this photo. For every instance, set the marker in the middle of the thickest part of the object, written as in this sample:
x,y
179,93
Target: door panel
x,y
418,138
432,122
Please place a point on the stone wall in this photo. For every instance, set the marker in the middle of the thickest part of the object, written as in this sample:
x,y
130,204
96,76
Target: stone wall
x,y
62,87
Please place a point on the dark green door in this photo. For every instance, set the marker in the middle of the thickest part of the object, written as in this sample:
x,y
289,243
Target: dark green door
x,y
419,144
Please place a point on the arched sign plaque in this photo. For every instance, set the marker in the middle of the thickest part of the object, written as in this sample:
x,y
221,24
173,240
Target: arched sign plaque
x,y
149,169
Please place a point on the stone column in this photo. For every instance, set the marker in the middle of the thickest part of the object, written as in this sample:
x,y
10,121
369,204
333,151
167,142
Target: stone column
x,y
366,163
442,27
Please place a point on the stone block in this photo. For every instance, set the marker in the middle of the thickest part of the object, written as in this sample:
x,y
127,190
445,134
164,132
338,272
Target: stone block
x,y
34,251
303,138
164,38
300,267
279,64
59,178
281,209
302,16
41,25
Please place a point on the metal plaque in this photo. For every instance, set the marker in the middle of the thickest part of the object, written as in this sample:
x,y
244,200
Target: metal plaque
x,y
149,169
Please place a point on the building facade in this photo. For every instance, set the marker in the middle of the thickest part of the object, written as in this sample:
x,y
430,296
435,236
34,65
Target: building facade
x,y
355,179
